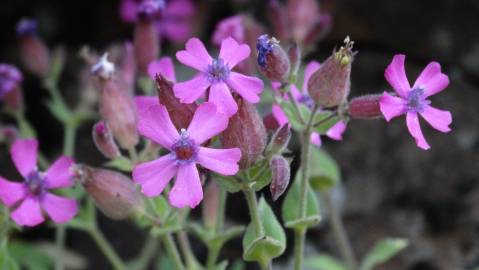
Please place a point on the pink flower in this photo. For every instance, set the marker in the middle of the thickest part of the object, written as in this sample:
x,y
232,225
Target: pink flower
x,y
174,21
33,194
302,97
217,75
413,101
185,152
230,27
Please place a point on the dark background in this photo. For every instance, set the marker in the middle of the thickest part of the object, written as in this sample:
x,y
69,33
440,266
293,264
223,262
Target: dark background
x,y
391,187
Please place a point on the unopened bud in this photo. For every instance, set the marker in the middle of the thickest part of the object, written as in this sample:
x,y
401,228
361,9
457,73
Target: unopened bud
x,y
146,42
114,193
104,141
278,19
365,107
34,52
181,113
329,86
280,172
279,141
270,123
210,204
272,59
247,132
302,17
10,91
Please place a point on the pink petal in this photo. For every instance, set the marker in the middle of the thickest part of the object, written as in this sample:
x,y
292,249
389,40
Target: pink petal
x,y
312,67
187,190
28,213
128,10
231,26
24,155
279,115
190,91
232,52
59,209
175,30
396,75
11,192
412,122
223,161
156,125
247,87
391,106
207,123
221,96
143,103
336,131
438,119
295,92
180,8
195,55
59,174
432,80
164,66
315,139
153,176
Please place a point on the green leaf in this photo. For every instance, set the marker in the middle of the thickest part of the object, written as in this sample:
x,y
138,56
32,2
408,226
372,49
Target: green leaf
x,y
383,251
290,112
261,173
30,257
325,120
324,262
325,173
272,244
120,163
228,182
290,209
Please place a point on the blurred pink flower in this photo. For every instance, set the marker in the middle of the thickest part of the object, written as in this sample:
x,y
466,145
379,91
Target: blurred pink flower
x,y
217,75
413,101
302,97
185,152
174,21
230,27
33,194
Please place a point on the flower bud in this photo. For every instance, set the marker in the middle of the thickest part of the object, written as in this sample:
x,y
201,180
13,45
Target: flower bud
x,y
9,134
116,106
210,204
280,172
247,132
329,86
34,52
114,193
180,113
278,19
322,27
365,107
272,59
146,39
279,141
302,17
104,141
270,123
10,91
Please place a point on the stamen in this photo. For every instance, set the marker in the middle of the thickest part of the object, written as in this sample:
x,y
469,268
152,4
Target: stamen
x,y
185,149
35,183
218,71
416,100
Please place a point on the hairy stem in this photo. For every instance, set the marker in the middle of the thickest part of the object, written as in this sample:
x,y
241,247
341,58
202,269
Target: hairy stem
x,y
146,254
173,252
214,250
106,248
252,201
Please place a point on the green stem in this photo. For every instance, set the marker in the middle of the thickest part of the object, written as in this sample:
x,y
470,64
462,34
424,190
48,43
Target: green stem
x,y
60,235
250,195
107,250
296,107
214,250
186,250
69,139
173,252
340,234
299,242
146,254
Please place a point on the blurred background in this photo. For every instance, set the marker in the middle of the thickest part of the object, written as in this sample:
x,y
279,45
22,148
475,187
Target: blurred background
x,y
390,187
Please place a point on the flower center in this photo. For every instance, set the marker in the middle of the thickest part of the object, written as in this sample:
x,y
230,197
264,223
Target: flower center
x,y
306,100
264,46
218,71
35,183
185,149
416,100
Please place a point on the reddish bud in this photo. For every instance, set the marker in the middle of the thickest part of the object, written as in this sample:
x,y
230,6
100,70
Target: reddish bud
x,y
329,86
270,123
9,134
210,204
279,140
146,43
280,176
34,53
278,19
365,107
272,59
14,100
114,193
104,141
181,113
247,132
302,17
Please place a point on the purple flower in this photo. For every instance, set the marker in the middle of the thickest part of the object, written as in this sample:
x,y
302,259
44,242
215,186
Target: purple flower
x,y
185,152
302,97
217,75
173,18
10,77
33,194
414,100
